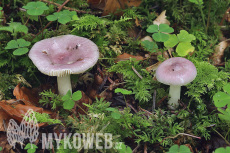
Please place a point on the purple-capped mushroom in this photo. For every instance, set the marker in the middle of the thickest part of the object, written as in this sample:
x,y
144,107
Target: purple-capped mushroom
x,y
176,72
64,55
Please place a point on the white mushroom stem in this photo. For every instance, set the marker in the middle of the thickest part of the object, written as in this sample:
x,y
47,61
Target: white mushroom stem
x,y
174,93
64,84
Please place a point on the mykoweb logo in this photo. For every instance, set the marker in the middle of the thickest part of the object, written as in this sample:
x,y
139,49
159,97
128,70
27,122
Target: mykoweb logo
x,y
28,129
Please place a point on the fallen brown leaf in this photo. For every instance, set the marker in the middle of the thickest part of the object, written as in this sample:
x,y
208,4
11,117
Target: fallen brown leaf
x,y
218,55
161,19
125,56
111,6
28,96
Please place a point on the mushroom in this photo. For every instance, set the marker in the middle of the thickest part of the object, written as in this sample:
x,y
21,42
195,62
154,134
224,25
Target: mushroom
x,y
176,72
64,55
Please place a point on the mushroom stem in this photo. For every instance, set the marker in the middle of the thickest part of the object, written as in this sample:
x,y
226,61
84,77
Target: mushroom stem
x,y
64,84
174,93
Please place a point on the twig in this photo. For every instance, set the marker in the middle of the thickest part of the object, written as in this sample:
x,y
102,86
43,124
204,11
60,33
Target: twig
x,y
145,147
71,9
154,100
135,150
138,74
173,137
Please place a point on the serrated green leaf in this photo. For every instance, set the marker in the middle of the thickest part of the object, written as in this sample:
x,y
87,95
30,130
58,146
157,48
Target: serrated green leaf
x,y
36,8
184,36
152,28
149,46
77,95
12,44
165,28
172,41
160,37
69,104
20,51
184,48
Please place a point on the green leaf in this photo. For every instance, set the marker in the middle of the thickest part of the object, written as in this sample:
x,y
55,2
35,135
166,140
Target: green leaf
x,y
12,44
224,114
160,37
69,104
198,2
77,95
67,96
184,36
152,28
35,8
116,115
20,51
149,46
111,109
222,150
221,99
165,28
184,48
123,148
123,91
227,88
179,149
23,43
51,17
172,41
15,27
31,148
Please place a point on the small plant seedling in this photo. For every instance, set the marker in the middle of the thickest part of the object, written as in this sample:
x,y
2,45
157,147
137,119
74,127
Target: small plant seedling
x,y
35,8
62,17
222,99
160,33
183,42
115,112
69,99
149,46
123,91
20,45
31,148
222,150
179,149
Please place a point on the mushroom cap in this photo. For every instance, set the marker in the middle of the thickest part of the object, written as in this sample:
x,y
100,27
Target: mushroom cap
x,y
64,55
176,71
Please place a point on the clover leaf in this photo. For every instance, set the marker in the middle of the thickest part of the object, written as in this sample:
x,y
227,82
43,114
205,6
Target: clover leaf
x,y
184,36
184,48
149,46
183,42
69,99
20,45
179,149
35,8
62,17
222,99
160,33
222,150
15,27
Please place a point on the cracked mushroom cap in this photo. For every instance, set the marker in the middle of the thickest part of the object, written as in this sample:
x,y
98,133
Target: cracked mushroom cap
x,y
176,71
64,55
